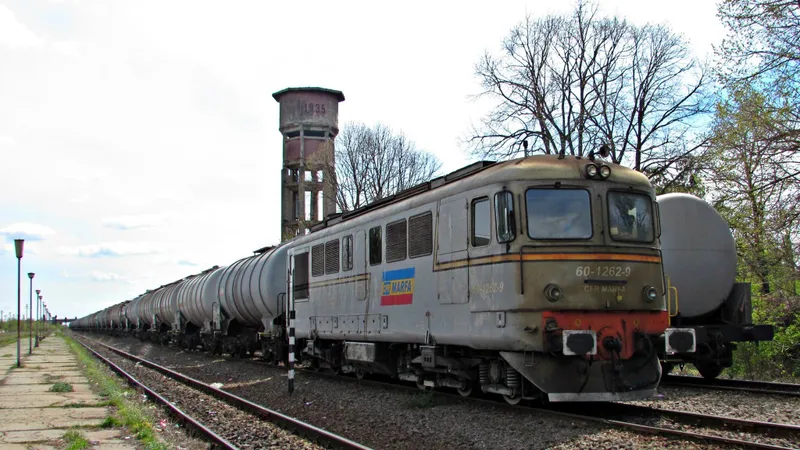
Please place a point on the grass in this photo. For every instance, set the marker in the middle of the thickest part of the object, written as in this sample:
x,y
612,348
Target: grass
x,y
128,414
75,440
62,387
111,422
7,355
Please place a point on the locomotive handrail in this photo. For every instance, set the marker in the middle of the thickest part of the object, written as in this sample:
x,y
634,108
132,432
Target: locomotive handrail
x,y
670,289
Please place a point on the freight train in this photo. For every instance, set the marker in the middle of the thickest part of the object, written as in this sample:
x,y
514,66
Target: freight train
x,y
535,278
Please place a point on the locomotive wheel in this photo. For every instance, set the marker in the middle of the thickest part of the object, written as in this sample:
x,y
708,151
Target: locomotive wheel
x,y
359,374
421,384
466,389
512,400
708,370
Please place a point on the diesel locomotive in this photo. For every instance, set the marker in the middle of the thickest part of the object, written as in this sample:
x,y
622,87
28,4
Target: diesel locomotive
x,y
534,278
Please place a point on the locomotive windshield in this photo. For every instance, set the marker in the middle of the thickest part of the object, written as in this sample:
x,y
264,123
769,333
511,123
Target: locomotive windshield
x,y
630,217
558,214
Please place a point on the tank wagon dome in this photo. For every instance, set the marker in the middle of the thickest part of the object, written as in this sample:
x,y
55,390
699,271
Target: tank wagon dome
x,y
699,253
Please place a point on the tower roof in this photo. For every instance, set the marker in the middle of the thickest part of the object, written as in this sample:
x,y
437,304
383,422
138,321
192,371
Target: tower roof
x,y
339,95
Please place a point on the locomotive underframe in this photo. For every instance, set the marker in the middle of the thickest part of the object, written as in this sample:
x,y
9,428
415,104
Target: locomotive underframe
x,y
514,375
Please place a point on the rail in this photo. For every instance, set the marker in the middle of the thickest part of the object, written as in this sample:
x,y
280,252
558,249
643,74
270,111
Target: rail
x,y
324,437
760,387
177,412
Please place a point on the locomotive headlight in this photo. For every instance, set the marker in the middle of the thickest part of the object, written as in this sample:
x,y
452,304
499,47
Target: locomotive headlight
x,y
591,171
605,171
553,292
650,294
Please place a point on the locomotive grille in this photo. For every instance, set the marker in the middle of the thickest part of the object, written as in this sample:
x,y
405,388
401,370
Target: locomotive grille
x,y
318,260
420,235
396,241
332,256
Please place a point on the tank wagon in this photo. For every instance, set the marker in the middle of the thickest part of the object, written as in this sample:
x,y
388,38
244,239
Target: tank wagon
x,y
535,278
700,264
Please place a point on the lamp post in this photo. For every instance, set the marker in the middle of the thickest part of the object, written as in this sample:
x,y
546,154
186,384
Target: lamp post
x,y
18,246
38,317
30,315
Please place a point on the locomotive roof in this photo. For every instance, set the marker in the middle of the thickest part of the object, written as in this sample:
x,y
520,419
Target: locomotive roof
x,y
481,173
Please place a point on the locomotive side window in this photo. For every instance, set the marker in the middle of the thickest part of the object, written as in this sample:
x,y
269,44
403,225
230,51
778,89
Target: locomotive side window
x,y
630,217
375,246
504,216
420,235
558,213
332,257
300,276
318,260
347,253
396,241
481,218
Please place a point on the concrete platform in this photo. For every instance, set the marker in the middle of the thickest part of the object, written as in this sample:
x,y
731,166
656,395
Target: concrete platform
x,y
35,418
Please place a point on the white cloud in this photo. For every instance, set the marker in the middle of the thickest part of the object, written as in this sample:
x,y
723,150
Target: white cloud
x,y
14,34
110,249
27,231
97,275
134,221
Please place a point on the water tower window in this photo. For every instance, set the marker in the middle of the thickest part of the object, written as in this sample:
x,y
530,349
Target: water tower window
x,y
308,175
314,133
293,135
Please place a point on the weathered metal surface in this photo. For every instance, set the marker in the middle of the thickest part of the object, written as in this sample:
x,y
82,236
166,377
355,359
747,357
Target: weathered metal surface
x,y
249,289
699,253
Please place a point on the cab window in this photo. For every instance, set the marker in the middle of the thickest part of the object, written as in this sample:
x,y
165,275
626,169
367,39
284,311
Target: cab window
x,y
558,213
481,218
630,217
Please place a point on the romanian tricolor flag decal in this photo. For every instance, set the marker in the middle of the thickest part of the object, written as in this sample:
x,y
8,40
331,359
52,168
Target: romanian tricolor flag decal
x,y
398,287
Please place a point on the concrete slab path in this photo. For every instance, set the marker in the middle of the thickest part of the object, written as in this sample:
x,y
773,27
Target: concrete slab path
x,y
32,417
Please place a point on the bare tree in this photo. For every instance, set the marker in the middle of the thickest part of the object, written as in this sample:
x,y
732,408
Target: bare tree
x,y
570,84
373,163
763,39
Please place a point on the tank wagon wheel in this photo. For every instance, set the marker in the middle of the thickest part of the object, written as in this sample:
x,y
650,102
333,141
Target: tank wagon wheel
x,y
359,374
512,400
465,390
708,370
421,384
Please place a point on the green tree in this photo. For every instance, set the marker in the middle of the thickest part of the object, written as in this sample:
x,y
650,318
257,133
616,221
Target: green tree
x,y
750,176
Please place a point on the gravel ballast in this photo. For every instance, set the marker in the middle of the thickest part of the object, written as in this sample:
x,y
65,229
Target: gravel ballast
x,y
240,428
392,419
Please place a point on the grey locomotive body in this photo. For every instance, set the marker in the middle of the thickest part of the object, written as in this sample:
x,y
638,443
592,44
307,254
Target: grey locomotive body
x,y
518,279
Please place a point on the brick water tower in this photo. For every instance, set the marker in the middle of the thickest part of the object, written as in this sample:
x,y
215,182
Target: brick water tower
x,y
309,123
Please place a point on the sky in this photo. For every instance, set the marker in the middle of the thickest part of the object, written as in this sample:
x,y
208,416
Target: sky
x,y
139,140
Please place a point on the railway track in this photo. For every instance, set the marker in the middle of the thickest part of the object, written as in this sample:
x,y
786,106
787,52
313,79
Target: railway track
x,y
630,417
760,387
635,418
316,435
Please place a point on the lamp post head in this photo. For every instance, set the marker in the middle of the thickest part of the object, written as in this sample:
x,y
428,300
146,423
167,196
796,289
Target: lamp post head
x,y
40,297
31,275
39,291
18,245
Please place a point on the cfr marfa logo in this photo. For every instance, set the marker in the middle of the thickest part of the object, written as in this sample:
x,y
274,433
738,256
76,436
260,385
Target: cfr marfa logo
x,y
398,287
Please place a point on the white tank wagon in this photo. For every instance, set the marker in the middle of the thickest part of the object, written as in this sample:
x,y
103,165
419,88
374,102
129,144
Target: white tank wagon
x,y
252,301
700,263
195,309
